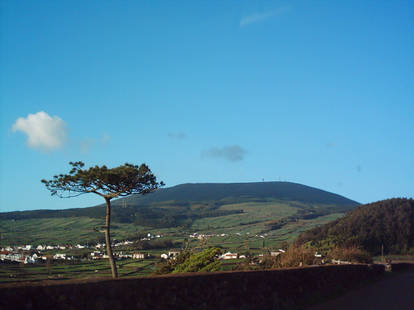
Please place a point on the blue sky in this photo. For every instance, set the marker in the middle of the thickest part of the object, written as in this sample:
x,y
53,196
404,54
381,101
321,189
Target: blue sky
x,y
315,92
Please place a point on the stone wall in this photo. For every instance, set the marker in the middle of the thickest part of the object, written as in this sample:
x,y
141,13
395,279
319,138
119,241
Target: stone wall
x,y
275,289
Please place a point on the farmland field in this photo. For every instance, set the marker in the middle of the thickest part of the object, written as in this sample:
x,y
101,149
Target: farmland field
x,y
85,269
251,221
238,225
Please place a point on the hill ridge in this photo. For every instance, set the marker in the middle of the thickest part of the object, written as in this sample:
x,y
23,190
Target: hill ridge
x,y
270,189
386,223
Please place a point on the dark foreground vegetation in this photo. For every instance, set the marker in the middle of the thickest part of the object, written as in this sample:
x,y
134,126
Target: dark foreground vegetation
x,y
274,289
381,227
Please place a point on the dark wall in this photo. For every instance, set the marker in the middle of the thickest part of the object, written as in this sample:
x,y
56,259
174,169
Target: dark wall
x,y
275,289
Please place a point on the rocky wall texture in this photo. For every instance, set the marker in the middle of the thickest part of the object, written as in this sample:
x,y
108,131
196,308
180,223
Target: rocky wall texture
x,y
275,289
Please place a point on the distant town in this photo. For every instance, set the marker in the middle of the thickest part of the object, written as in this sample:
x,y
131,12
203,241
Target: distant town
x,y
32,254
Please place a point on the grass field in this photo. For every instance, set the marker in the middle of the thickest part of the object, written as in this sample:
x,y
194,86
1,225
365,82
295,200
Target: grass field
x,y
62,271
60,231
243,232
75,230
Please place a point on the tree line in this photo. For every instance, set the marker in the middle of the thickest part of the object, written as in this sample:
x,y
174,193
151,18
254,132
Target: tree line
x,y
386,225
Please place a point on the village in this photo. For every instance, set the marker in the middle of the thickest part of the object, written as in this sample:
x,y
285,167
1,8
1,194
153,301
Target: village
x,y
33,254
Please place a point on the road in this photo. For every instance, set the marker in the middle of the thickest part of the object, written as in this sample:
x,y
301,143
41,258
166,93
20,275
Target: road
x,y
392,292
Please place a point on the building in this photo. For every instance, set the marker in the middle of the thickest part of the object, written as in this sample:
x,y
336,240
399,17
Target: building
x,y
138,256
229,255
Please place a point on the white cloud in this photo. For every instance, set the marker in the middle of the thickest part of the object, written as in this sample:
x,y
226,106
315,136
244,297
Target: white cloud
x,y
231,153
177,135
43,131
88,144
105,139
258,17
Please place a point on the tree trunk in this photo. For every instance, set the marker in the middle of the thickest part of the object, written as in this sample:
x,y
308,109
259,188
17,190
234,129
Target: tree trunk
x,y
108,238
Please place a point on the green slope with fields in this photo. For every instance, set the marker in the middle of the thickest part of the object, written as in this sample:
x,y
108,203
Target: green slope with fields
x,y
242,212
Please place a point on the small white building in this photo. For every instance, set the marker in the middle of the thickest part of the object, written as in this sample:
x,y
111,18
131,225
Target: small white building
x,y
96,255
138,256
173,254
4,254
30,260
228,255
59,256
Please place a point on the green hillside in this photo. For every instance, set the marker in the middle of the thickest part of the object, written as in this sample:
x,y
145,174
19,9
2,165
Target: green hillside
x,y
222,191
388,223
279,209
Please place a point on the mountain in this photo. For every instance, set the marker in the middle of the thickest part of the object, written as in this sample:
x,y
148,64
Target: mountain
x,y
276,207
221,191
209,194
388,223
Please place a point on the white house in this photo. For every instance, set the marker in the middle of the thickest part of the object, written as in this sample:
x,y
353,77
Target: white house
x,y
228,255
3,254
59,256
30,260
96,255
138,256
173,253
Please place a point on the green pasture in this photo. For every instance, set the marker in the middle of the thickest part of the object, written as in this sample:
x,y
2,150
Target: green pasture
x,y
61,271
72,230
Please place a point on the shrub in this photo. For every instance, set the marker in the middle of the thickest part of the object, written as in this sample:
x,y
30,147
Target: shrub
x,y
168,265
205,261
295,256
351,254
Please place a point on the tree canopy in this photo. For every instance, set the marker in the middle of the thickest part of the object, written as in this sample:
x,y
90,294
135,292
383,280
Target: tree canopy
x,y
204,261
387,223
106,182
